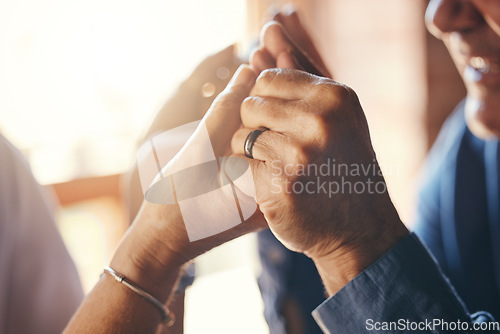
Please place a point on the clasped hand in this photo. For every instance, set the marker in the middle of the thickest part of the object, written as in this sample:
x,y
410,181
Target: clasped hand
x,y
314,174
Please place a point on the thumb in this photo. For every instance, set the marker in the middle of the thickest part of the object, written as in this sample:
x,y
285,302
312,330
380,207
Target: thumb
x,y
223,118
229,100
244,77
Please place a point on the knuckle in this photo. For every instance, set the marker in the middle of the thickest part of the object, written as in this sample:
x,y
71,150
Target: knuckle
x,y
251,105
347,93
231,97
265,80
236,92
277,78
247,104
267,76
226,100
334,94
328,93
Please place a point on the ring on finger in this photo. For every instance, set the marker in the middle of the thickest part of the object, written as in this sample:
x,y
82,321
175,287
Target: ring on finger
x,y
250,141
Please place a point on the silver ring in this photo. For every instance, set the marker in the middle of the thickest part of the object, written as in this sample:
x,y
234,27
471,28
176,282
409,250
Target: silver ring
x,y
251,138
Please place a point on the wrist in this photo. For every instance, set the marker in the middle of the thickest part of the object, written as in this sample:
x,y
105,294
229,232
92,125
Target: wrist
x,y
147,259
346,259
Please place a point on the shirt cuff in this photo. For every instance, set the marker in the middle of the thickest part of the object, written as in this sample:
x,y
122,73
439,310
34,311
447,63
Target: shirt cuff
x,y
406,283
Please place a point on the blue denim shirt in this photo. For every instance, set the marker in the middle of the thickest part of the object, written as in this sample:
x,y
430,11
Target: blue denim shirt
x,y
404,289
288,278
458,215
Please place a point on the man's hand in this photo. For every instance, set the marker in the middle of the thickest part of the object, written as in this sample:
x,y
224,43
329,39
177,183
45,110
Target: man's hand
x,y
317,180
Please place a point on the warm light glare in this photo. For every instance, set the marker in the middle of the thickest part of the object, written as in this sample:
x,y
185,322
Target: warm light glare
x,y
79,83
80,80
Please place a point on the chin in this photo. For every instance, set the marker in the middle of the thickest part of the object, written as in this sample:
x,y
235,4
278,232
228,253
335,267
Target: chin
x,y
482,119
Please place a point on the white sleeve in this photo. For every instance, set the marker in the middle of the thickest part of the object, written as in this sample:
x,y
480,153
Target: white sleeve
x,y
39,285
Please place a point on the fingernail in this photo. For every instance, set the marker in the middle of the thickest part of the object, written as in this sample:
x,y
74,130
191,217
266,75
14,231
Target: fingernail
x,y
289,9
271,12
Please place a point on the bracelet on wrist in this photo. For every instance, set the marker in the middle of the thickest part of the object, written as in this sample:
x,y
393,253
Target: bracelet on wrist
x,y
168,318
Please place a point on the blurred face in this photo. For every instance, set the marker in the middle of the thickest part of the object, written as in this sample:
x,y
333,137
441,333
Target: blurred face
x,y
470,29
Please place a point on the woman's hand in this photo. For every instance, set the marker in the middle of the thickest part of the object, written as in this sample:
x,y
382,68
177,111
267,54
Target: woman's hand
x,y
159,241
206,209
284,43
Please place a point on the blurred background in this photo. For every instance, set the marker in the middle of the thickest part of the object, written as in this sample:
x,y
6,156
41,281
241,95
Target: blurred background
x,y
80,81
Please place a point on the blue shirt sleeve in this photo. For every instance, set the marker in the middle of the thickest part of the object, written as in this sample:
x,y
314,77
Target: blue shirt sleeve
x,y
404,288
